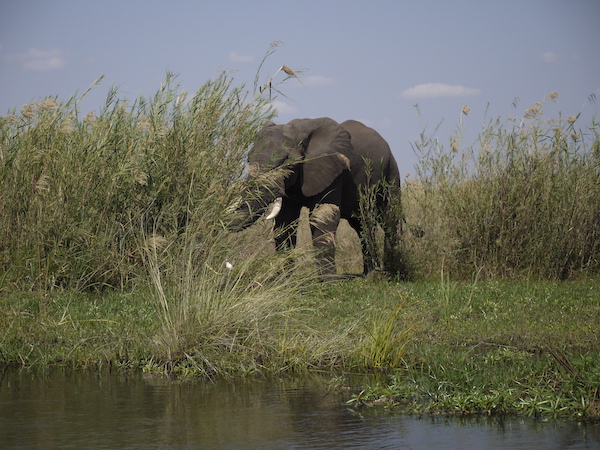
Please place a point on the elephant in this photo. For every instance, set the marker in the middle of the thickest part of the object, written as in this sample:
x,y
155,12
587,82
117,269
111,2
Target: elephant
x,y
319,164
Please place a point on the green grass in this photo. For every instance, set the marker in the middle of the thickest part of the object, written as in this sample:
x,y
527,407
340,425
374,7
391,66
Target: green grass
x,y
351,315
527,348
75,330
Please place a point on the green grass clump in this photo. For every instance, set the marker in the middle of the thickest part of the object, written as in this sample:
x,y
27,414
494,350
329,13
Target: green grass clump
x,y
389,332
523,201
224,310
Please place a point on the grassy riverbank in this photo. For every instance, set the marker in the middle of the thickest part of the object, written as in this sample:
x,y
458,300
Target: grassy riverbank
x,y
449,347
114,252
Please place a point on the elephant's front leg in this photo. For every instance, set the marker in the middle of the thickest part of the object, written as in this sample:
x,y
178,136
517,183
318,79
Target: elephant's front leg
x,y
324,221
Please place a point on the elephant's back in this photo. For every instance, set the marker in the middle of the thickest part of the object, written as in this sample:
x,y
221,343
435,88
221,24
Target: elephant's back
x,y
368,143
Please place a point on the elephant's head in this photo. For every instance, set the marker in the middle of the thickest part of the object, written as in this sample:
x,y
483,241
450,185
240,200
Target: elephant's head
x,y
306,155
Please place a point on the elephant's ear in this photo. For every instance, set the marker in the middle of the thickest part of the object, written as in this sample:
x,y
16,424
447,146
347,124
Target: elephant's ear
x,y
325,156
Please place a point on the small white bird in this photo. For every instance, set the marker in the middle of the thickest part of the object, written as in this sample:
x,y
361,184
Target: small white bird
x,y
228,265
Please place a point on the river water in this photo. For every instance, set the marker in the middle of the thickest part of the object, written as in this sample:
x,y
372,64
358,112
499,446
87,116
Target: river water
x,y
119,411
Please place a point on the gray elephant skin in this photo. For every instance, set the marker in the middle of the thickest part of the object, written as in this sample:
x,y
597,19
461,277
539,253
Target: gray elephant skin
x,y
319,164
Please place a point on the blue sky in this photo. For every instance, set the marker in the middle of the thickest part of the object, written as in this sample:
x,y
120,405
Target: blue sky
x,y
366,60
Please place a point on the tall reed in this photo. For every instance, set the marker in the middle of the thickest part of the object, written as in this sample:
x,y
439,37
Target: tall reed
x,y
78,193
523,200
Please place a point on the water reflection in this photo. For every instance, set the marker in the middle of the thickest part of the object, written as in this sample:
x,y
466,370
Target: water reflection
x,y
130,411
